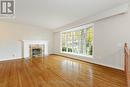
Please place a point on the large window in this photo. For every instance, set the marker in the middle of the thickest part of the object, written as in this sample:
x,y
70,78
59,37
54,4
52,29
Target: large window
x,y
78,41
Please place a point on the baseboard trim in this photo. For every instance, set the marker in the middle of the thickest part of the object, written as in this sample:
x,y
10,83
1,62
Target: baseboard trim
x,y
99,64
7,59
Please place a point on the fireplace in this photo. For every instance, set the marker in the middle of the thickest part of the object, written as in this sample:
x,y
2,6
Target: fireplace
x,y
36,50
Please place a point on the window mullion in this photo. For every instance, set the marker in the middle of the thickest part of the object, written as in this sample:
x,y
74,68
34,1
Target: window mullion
x,y
72,42
79,37
66,41
85,42
82,42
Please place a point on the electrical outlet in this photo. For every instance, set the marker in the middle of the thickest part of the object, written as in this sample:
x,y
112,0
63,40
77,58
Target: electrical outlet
x,y
14,55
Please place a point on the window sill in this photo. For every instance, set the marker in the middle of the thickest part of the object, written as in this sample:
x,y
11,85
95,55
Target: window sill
x,y
79,55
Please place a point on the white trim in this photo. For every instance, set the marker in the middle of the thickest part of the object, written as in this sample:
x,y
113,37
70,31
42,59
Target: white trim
x,y
6,59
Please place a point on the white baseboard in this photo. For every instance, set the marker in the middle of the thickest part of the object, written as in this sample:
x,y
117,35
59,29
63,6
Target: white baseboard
x,y
5,59
108,66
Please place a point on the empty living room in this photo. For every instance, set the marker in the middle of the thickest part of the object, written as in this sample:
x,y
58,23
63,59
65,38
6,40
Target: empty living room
x,y
64,43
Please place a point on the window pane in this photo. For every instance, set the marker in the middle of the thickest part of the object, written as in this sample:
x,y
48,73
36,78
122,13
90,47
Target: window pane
x,y
64,49
69,42
90,37
76,42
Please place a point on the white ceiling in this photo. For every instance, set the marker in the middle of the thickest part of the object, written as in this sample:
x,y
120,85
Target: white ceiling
x,y
52,14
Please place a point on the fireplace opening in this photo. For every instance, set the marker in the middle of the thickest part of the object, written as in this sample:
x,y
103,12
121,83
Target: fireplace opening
x,y
36,50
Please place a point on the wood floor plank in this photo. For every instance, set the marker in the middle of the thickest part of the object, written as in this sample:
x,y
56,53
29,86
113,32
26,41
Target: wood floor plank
x,y
58,71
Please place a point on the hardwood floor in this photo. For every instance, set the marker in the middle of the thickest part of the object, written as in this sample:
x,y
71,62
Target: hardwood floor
x,y
57,71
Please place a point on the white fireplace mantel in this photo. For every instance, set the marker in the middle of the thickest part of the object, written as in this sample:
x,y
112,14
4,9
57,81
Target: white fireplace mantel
x,y
27,43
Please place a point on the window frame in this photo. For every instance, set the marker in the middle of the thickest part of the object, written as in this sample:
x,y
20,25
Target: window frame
x,y
77,29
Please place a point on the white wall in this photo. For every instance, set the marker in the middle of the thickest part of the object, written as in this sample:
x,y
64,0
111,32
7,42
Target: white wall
x,y
110,35
12,33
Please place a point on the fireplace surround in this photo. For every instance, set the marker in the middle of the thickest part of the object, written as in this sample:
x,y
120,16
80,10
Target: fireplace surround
x,y
34,48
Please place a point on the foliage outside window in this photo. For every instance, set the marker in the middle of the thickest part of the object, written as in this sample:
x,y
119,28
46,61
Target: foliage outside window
x,y
79,41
